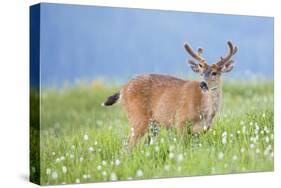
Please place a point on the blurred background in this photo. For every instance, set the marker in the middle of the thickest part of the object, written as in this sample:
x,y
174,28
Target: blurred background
x,y
86,43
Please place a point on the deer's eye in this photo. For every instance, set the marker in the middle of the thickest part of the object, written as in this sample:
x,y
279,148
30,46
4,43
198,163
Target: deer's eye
x,y
200,66
214,73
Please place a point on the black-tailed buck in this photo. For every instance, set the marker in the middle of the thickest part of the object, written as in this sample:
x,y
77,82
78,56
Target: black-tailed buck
x,y
172,101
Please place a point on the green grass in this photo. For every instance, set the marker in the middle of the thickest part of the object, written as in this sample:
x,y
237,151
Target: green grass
x,y
84,142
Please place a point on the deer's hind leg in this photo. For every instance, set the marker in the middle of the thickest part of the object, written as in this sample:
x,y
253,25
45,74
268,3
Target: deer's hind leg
x,y
139,117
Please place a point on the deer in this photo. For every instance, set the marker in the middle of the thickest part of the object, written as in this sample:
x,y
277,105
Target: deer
x,y
175,102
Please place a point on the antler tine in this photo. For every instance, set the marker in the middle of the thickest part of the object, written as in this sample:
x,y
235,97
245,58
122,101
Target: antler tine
x,y
229,62
200,51
235,50
192,53
231,52
191,62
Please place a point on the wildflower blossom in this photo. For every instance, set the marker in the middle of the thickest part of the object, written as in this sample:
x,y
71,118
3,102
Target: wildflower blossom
x,y
171,155
156,148
167,168
91,149
117,162
104,173
62,158
139,173
220,155
258,150
48,171
86,137
180,157
54,175
64,169
113,176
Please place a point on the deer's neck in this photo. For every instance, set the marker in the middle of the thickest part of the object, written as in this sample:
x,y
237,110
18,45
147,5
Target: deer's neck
x,y
215,94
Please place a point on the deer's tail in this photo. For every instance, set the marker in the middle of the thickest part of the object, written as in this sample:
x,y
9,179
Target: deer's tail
x,y
111,99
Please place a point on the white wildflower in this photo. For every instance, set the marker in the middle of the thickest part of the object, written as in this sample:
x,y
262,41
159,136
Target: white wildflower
x,y
156,148
81,159
234,158
220,155
117,162
147,154
171,155
77,180
64,169
86,137
180,157
54,175
139,173
91,149
244,129
242,150
99,167
272,154
53,153
204,127
103,162
224,140
113,176
48,171
62,158
104,173
266,139
167,168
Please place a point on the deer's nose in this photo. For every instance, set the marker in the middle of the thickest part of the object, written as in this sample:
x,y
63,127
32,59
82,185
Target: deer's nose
x,y
204,86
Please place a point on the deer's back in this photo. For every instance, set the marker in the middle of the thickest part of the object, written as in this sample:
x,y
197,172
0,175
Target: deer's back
x,y
161,97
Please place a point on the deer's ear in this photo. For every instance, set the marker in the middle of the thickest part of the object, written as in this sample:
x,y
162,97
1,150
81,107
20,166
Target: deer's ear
x,y
194,66
227,67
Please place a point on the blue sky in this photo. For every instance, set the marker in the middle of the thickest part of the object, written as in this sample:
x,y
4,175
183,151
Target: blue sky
x,y
89,42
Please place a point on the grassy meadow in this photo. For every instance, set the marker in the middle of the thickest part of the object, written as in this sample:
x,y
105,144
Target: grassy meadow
x,y
84,142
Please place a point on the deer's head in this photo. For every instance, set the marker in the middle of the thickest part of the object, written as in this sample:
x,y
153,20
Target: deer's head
x,y
211,73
